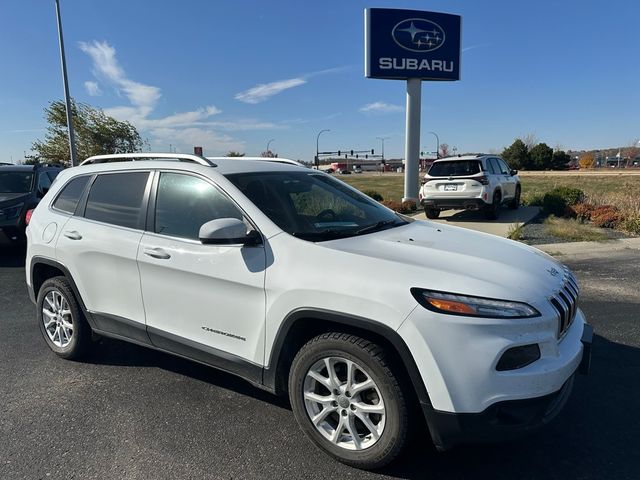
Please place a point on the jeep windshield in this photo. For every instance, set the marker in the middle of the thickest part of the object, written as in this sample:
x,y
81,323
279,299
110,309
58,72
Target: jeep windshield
x,y
15,182
455,168
314,206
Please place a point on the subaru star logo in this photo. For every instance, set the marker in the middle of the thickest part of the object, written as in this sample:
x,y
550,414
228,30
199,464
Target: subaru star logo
x,y
418,35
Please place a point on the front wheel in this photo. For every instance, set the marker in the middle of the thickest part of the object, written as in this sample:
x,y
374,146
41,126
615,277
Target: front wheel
x,y
348,401
515,203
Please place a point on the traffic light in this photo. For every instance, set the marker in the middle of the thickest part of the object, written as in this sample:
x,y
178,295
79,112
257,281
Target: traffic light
x,y
367,156
352,153
372,151
356,155
339,153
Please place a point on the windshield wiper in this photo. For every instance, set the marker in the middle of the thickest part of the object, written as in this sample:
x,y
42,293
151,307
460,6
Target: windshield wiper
x,y
377,226
329,234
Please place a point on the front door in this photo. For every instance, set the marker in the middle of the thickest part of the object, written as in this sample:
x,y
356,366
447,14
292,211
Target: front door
x,y
200,299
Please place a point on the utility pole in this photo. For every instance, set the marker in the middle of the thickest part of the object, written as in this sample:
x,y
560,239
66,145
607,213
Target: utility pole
x,y
437,144
317,146
382,139
269,143
65,81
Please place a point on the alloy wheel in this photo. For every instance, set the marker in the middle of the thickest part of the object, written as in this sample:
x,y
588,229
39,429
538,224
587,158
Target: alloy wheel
x,y
344,403
57,319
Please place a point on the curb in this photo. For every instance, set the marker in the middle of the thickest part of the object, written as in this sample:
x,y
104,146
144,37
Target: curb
x,y
588,248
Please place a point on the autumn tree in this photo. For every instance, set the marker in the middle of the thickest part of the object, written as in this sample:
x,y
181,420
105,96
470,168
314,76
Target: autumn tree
x,y
95,132
587,161
444,150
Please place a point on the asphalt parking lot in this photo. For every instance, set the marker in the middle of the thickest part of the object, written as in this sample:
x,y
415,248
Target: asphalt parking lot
x,y
128,412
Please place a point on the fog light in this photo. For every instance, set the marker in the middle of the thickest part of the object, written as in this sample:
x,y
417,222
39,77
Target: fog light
x,y
518,357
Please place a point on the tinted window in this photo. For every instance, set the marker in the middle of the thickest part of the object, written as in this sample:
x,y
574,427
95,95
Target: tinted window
x,y
53,174
455,168
117,198
70,195
503,167
184,203
44,182
15,182
493,165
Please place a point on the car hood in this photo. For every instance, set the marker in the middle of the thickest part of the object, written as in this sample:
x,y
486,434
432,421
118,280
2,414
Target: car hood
x,y
7,199
440,257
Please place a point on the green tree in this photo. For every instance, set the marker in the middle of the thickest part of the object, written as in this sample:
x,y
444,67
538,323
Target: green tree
x,y
560,160
541,156
231,153
517,155
95,132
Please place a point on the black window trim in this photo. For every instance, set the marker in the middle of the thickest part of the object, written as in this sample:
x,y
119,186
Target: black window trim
x,y
82,204
151,210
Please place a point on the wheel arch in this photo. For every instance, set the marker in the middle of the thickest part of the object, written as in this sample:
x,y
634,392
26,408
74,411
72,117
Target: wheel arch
x,y
303,324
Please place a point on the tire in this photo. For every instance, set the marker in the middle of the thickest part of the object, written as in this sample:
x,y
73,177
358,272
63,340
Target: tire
x,y
493,211
431,212
515,203
70,335
347,409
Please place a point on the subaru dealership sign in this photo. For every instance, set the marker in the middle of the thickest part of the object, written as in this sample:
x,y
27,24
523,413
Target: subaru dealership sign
x,y
403,44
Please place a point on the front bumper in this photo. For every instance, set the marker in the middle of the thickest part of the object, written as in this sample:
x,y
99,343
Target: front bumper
x,y
507,419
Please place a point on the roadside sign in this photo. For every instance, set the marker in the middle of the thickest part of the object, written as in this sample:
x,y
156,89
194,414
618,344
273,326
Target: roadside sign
x,y
402,44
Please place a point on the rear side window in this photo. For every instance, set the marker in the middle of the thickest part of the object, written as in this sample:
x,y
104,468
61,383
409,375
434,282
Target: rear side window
x,y
184,203
455,168
116,198
68,198
44,182
493,166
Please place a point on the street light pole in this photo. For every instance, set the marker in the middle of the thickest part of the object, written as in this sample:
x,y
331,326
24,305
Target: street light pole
x,y
318,146
65,81
269,143
437,144
382,139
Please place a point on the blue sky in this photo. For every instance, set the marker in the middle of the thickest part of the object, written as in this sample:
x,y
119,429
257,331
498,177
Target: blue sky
x,y
231,75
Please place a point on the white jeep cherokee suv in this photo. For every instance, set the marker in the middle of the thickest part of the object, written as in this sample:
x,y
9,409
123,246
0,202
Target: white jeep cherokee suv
x,y
304,286
470,182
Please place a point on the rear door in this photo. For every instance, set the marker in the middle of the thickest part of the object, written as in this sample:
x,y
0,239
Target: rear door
x,y
203,301
99,246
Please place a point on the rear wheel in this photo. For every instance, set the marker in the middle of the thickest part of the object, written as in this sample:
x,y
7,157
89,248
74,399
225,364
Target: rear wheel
x,y
493,211
431,212
61,321
515,203
348,401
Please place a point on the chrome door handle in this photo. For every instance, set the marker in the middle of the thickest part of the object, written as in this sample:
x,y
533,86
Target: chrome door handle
x,y
73,235
156,253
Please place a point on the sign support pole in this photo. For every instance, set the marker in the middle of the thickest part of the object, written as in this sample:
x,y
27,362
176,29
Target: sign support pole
x,y
412,139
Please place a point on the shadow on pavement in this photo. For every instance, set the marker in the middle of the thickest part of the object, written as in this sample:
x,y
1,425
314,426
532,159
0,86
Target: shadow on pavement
x,y
11,254
523,214
594,437
107,351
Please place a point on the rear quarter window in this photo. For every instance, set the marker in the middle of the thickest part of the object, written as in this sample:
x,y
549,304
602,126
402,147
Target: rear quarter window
x,y
455,168
69,196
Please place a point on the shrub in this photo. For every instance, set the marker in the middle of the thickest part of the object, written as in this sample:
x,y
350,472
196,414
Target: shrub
x,y
606,216
632,225
570,195
409,206
554,204
373,194
400,207
534,200
581,211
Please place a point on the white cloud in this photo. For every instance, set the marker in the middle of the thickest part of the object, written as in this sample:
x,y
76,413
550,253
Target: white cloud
x,y
92,88
381,107
264,91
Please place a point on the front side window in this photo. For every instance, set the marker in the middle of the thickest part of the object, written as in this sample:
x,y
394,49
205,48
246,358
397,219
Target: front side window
x,y
15,182
455,168
503,167
184,203
116,198
314,206
70,194
493,165
44,183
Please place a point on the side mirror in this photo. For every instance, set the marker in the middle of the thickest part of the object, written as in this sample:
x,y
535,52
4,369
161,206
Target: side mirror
x,y
228,231
513,172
